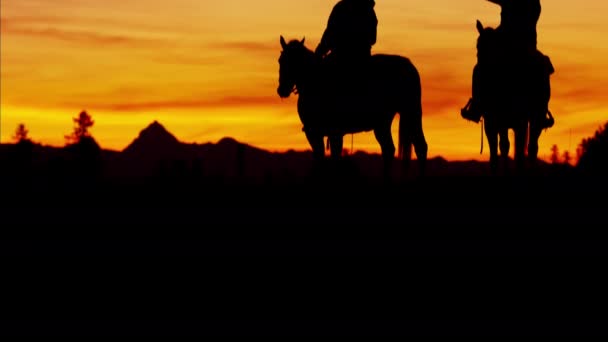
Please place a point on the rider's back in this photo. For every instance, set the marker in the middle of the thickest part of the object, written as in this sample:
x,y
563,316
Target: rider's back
x,y
351,28
518,23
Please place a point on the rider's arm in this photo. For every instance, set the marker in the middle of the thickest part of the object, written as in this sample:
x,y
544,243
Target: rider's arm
x,y
373,28
323,47
327,40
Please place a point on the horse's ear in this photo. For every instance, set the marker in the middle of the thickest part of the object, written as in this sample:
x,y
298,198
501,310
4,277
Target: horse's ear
x,y
283,43
303,40
479,26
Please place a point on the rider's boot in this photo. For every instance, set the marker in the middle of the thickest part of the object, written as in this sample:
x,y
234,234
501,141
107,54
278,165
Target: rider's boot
x,y
472,110
548,120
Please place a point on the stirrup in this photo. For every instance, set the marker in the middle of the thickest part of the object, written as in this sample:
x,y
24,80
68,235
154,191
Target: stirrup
x,y
470,113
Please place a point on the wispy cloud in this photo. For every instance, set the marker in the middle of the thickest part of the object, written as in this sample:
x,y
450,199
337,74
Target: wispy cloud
x,y
187,59
579,85
84,37
191,103
246,46
29,21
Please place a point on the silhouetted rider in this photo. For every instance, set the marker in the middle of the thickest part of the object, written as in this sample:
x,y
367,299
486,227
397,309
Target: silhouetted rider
x,y
351,30
518,21
347,43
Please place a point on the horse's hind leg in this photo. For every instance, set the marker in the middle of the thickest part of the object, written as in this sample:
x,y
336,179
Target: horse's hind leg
x,y
411,133
492,136
505,147
521,140
535,131
336,147
420,145
387,145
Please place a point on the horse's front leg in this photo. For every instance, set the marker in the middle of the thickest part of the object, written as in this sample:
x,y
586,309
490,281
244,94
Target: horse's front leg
x,y
505,147
318,152
336,145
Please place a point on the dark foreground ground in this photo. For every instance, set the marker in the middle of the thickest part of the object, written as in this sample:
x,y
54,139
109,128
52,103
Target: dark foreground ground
x,y
442,256
210,218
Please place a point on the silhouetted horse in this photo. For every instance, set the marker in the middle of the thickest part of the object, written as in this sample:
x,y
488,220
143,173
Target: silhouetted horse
x,y
396,89
514,93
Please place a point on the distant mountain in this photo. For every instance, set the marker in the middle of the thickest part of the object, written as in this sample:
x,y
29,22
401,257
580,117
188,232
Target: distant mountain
x,y
156,140
154,150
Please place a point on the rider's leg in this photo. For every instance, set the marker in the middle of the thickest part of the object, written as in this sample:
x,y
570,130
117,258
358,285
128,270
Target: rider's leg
x,y
473,110
547,69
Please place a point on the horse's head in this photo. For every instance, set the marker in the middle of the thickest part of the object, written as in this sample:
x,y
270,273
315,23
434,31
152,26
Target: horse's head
x,y
488,44
293,65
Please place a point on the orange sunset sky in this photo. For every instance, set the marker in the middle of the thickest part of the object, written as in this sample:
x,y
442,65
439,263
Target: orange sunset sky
x,y
208,69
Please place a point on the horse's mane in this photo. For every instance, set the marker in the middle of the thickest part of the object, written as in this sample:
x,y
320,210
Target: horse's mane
x,y
295,44
490,41
307,57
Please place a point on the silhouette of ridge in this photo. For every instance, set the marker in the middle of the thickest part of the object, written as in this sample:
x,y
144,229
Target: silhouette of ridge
x,y
228,141
156,152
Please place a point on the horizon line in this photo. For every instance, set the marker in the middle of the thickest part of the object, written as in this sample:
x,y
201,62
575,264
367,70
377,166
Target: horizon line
x,y
291,150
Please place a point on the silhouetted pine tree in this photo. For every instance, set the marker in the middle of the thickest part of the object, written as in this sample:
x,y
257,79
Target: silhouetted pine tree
x,y
84,153
21,134
82,123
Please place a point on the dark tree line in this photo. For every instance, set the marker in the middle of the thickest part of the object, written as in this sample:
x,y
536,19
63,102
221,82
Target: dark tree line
x,y
594,153
80,159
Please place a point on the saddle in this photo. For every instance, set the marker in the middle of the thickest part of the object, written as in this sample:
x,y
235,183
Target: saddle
x,y
535,61
347,95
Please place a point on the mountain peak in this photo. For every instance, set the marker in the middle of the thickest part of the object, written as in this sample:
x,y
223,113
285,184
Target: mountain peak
x,y
155,129
155,137
228,141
